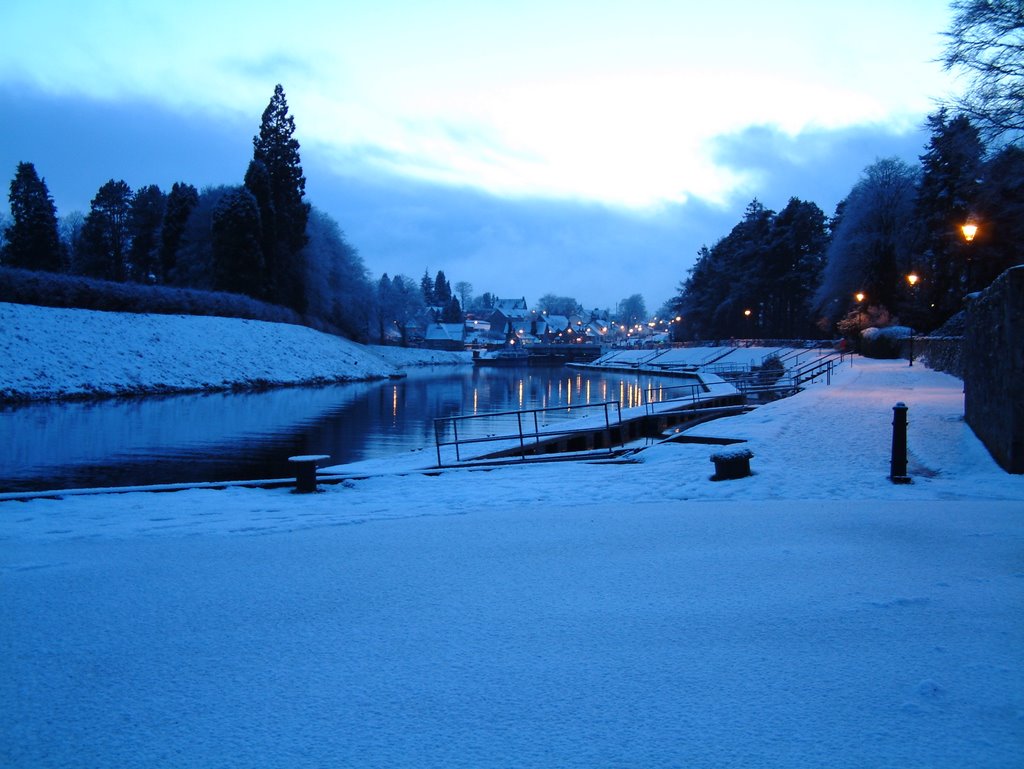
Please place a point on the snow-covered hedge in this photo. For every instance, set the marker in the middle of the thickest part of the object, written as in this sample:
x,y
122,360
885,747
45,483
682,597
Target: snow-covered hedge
x,y
884,342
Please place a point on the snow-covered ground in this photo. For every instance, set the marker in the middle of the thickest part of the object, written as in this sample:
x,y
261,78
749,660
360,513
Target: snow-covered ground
x,y
60,353
562,615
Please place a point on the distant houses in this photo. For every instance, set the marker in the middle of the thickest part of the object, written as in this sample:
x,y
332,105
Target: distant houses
x,y
512,319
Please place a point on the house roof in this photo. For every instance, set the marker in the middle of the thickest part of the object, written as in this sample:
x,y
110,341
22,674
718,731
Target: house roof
x,y
444,331
512,308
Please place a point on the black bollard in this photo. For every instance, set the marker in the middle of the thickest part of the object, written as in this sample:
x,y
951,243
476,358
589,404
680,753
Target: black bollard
x,y
898,463
305,471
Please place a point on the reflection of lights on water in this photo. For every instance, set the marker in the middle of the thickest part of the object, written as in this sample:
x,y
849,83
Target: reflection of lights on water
x,y
588,392
521,393
476,400
394,401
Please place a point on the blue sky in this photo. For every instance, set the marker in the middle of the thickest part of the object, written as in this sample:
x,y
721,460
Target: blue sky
x,y
579,148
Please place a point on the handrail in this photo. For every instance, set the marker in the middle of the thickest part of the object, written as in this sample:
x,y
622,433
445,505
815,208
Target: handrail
x,y
687,392
520,434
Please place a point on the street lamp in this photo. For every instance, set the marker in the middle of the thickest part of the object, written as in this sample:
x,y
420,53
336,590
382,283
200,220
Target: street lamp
x,y
970,229
912,279
860,296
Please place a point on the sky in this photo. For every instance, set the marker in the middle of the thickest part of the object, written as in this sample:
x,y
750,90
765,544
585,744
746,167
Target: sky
x,y
581,149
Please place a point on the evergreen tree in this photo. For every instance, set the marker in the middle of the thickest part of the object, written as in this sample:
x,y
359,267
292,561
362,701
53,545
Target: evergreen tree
x,y
278,151
452,312
442,290
427,289
383,307
194,263
768,264
105,235
145,217
997,246
237,259
257,181
32,241
946,197
181,201
794,259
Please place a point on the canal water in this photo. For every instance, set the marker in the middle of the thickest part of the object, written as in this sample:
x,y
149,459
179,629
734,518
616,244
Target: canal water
x,y
244,436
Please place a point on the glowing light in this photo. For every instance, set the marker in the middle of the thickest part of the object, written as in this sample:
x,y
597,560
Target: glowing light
x,y
912,279
969,230
860,296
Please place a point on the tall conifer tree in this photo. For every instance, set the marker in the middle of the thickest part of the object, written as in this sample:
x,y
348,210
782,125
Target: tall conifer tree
x,y
278,151
33,241
181,200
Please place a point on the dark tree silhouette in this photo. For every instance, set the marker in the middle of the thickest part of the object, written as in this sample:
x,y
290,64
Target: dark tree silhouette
x,y
237,260
32,241
145,217
946,198
181,201
986,40
105,235
278,151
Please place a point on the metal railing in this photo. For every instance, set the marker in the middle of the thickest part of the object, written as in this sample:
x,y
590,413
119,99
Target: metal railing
x,y
524,420
687,394
823,366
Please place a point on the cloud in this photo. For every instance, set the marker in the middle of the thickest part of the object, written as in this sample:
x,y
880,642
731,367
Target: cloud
x,y
816,164
77,144
511,245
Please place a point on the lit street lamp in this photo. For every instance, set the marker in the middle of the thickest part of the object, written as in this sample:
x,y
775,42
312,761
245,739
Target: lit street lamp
x,y
970,229
912,279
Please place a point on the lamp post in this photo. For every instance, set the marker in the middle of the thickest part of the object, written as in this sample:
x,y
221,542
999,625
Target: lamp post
x,y
912,279
969,229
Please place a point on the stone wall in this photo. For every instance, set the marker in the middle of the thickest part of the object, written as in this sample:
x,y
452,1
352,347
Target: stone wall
x,y
993,368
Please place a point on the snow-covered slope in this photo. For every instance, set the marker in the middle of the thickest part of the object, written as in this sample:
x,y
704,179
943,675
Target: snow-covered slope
x,y
47,353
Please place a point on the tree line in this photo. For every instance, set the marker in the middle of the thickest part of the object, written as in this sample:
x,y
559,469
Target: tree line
x,y
895,250
260,239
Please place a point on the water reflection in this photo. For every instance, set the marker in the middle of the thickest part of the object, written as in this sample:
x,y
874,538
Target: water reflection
x,y
233,436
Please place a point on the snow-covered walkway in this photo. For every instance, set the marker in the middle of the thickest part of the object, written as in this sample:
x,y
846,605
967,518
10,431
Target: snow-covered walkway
x,y
812,615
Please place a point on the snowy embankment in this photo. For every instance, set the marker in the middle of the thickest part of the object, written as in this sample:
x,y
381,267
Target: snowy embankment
x,y
49,353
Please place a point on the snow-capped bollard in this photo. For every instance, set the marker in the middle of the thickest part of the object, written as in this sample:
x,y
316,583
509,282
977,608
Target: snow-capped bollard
x,y
731,464
898,462
305,471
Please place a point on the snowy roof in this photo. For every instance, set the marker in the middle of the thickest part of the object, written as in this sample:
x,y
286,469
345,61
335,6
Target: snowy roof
x,y
445,331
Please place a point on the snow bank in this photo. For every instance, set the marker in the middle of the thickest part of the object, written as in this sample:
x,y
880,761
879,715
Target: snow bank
x,y
407,357
48,353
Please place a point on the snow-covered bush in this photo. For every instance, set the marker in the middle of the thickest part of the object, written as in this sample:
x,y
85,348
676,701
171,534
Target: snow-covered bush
x,y
884,342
